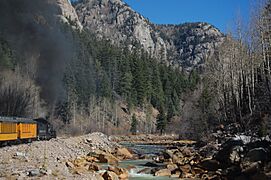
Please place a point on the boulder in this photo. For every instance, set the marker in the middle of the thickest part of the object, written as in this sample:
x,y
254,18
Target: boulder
x,y
185,168
176,173
235,155
232,172
257,154
124,153
94,167
168,154
175,158
109,175
252,168
229,152
124,175
107,158
121,172
209,164
163,172
187,152
172,167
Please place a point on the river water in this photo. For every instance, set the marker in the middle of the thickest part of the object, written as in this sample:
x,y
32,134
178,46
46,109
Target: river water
x,y
147,150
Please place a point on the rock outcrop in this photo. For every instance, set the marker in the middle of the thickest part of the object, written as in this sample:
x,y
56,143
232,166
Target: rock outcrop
x,y
68,14
185,46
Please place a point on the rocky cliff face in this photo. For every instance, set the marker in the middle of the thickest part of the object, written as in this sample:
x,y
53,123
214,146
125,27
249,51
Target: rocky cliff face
x,y
185,46
68,14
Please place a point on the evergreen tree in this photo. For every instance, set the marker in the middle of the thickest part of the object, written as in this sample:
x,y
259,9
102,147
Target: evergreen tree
x,y
161,122
126,85
133,129
157,98
105,89
139,81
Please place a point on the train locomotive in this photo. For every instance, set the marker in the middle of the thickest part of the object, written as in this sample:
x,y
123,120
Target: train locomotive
x,y
14,130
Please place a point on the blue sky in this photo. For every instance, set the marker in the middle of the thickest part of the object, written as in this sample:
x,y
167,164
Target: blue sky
x,y
220,13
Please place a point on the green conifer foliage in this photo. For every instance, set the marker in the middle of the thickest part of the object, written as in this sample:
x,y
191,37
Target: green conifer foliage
x,y
133,128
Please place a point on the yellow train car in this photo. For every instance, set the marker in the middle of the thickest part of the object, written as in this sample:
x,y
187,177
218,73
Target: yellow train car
x,y
14,129
27,129
8,130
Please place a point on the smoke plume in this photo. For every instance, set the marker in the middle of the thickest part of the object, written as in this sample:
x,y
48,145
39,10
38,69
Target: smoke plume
x,y
33,29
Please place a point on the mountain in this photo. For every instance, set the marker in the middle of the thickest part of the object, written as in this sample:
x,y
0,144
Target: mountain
x,y
184,46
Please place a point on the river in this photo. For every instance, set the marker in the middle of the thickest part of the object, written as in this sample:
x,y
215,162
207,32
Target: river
x,y
148,151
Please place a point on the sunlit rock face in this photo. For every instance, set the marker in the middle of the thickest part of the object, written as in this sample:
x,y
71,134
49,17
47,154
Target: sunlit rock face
x,y
68,14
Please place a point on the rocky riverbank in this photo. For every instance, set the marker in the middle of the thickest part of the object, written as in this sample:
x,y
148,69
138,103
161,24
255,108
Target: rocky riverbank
x,y
226,155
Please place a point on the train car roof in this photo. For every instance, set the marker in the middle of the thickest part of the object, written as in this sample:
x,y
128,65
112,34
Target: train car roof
x,y
41,120
16,120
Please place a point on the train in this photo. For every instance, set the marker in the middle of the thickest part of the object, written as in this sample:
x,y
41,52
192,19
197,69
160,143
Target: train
x,y
15,130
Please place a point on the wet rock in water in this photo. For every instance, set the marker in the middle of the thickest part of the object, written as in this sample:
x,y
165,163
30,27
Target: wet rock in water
x,y
151,164
209,164
109,175
124,153
163,172
145,171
